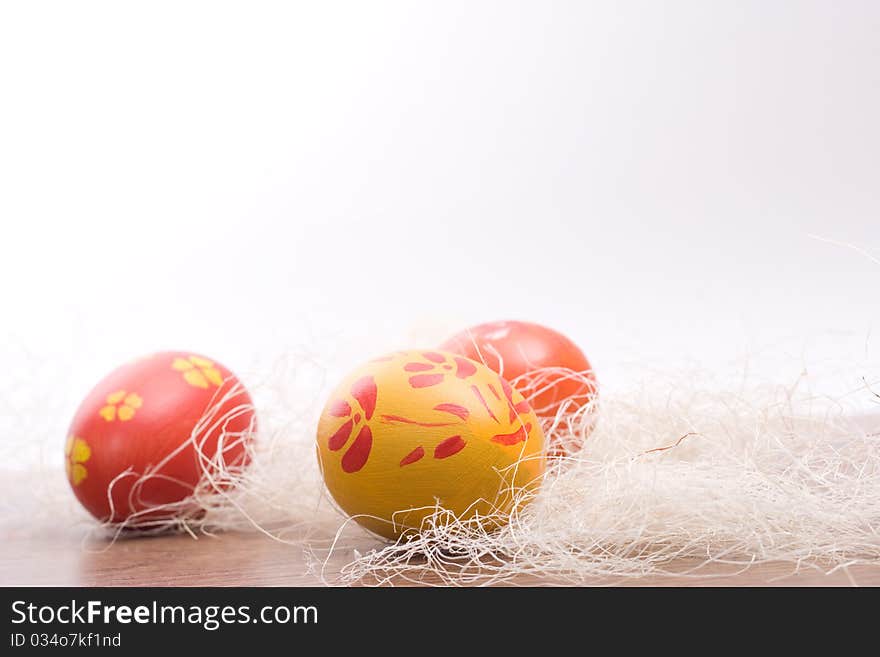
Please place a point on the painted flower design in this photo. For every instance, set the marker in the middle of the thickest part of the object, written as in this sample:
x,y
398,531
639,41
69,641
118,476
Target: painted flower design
x,y
77,452
431,369
199,372
435,367
121,405
364,394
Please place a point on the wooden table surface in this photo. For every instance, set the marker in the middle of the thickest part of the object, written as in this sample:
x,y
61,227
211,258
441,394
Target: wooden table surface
x,y
255,560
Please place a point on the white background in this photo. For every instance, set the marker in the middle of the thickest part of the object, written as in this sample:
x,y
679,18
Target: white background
x,y
245,179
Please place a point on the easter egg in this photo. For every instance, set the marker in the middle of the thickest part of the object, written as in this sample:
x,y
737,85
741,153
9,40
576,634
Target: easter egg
x,y
145,436
409,432
544,365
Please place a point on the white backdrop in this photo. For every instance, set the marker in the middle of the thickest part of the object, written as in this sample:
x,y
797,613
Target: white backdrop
x,y
241,179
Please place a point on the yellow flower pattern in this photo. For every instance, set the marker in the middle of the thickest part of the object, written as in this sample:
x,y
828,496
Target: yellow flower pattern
x,y
121,405
197,371
77,452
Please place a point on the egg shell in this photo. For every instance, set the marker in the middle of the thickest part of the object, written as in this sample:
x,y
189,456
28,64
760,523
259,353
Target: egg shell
x,y
410,431
140,419
525,353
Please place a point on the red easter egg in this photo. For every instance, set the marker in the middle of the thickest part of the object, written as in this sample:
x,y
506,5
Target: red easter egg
x,y
547,368
147,433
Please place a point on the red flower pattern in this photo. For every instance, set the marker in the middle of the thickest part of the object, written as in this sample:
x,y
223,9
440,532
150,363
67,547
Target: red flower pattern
x,y
423,374
434,371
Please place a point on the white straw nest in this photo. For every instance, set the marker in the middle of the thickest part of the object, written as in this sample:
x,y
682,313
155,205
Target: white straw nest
x,y
677,473
668,486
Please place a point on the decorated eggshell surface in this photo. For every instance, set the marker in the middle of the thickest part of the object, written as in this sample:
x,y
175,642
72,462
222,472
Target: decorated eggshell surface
x,y
415,429
543,364
149,431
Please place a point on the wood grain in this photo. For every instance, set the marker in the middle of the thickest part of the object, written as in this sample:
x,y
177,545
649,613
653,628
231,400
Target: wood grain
x,y
255,560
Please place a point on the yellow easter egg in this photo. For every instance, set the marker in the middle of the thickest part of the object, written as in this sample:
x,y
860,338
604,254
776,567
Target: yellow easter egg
x,y
416,429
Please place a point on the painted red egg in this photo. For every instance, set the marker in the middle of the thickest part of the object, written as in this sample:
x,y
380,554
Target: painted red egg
x,y
547,368
147,434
